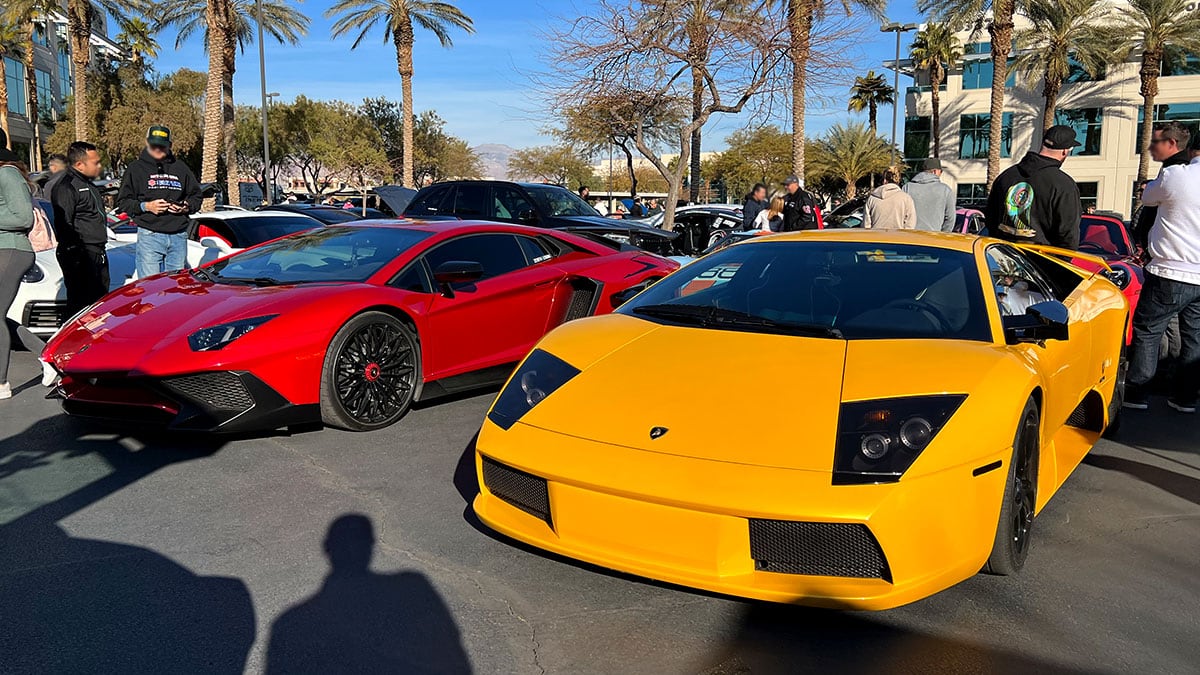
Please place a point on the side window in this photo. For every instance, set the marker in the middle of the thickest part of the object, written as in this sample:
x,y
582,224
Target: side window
x,y
431,202
1016,284
497,253
213,227
512,205
471,201
414,279
535,251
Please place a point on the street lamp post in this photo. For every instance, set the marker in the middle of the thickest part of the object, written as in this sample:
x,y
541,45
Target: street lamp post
x,y
268,193
897,28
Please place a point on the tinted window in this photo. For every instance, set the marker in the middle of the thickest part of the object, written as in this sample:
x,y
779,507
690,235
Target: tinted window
x,y
557,201
414,279
254,230
330,254
429,201
471,201
535,251
864,291
1017,285
510,204
498,253
333,216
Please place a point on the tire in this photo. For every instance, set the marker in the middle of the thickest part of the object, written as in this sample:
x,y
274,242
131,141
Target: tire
x,y
1118,399
371,373
1014,531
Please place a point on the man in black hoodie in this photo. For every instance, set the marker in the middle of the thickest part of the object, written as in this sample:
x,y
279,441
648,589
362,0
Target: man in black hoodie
x,y
1035,201
81,228
159,193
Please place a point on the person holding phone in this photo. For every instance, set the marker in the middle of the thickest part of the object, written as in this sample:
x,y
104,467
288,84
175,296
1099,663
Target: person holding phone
x,y
159,192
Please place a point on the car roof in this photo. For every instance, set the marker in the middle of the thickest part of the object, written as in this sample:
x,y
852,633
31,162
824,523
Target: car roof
x,y
497,182
237,215
440,226
946,240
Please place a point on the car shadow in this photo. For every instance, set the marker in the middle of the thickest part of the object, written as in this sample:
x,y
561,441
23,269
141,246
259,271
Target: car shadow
x,y
360,621
1184,487
74,604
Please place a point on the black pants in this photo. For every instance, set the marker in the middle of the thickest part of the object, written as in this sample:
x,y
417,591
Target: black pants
x,y
85,274
13,264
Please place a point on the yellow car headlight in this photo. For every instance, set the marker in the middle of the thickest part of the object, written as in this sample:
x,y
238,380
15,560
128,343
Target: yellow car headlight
x,y
878,440
539,376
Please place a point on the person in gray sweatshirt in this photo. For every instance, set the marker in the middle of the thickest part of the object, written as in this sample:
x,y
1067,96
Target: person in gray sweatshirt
x,y
935,201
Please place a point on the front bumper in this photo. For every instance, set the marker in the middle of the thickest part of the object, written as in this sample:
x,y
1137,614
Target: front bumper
x,y
218,401
771,534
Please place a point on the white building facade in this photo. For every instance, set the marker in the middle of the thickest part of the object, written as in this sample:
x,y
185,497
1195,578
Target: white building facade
x,y
1105,113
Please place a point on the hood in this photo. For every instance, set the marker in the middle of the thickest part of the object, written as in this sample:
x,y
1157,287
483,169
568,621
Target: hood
x,y
886,190
396,197
925,178
1032,163
614,225
788,404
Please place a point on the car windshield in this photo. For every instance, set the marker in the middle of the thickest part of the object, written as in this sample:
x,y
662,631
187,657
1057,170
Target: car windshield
x,y
556,201
255,230
851,290
331,254
1103,236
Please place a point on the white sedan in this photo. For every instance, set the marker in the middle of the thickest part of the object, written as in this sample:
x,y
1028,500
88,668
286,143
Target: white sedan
x,y
41,302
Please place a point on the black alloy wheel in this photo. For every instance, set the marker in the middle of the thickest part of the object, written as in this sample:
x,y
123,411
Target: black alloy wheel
x,y
1015,529
371,373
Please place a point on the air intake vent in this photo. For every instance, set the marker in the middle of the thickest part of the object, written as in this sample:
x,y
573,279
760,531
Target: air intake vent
x,y
820,549
583,299
44,314
220,391
522,490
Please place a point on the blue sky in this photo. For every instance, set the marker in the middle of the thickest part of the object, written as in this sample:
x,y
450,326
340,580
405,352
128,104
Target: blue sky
x,y
481,85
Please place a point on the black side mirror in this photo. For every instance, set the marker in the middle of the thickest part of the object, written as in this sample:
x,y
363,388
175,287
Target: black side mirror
x,y
456,272
1043,321
527,216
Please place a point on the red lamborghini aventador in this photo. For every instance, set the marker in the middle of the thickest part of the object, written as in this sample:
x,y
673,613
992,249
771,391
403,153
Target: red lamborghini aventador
x,y
347,325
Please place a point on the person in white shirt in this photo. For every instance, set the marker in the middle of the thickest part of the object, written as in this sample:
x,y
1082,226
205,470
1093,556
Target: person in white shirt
x,y
769,219
1172,287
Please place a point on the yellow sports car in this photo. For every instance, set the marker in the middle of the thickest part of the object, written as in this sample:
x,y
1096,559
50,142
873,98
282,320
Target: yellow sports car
x,y
881,415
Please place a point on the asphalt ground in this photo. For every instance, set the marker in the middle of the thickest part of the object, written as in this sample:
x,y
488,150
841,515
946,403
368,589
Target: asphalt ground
x,y
141,553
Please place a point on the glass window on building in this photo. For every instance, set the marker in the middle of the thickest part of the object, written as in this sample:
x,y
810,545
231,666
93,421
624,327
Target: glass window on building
x,y
40,36
1087,123
977,74
45,94
973,133
64,74
14,77
1186,113
1181,64
976,48
972,194
1088,195
918,138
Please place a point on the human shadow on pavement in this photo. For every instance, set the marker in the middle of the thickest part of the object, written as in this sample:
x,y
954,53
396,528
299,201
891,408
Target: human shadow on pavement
x,y
70,604
361,621
1184,487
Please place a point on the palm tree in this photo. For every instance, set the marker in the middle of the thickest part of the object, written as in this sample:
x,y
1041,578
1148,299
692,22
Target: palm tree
x,y
81,14
936,50
1000,27
10,45
849,153
399,17
868,93
802,15
1062,30
1154,27
137,38
281,21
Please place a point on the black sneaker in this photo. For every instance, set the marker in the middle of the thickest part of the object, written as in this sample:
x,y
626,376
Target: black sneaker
x,y
1135,400
1183,406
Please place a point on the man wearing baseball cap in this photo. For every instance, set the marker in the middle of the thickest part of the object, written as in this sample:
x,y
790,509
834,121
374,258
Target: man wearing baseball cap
x,y
159,192
799,208
1035,201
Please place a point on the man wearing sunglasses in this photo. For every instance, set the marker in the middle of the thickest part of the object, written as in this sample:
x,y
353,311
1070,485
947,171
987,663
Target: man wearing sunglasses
x,y
1168,145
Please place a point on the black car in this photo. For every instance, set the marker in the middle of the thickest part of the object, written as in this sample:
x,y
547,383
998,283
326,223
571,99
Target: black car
x,y
330,215
539,205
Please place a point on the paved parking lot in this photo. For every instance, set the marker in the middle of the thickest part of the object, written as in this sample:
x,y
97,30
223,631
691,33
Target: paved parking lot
x,y
139,554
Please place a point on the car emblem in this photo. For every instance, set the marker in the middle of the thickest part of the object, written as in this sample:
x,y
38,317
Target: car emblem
x,y
658,432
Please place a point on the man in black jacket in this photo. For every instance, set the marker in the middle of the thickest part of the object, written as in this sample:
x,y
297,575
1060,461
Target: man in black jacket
x,y
799,208
159,192
1035,201
1168,145
81,227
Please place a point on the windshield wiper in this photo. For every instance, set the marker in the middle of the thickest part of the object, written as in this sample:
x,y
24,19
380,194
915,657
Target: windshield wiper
x,y
204,274
256,281
719,317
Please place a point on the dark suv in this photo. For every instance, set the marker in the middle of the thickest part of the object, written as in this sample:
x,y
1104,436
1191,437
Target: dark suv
x,y
532,204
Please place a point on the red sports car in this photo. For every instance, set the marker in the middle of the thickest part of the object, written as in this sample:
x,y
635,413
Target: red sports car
x,y
347,325
1107,238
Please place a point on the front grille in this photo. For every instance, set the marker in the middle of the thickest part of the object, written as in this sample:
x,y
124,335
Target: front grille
x,y
822,549
524,491
219,391
583,300
41,314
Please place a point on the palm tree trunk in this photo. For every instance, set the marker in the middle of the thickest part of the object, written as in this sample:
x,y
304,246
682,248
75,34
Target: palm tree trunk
x,y
800,23
217,14
1151,67
935,82
872,120
404,64
79,29
233,189
1001,30
1050,91
32,113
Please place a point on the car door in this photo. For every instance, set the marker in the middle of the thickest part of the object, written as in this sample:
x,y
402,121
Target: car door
x,y
432,201
495,320
471,202
512,206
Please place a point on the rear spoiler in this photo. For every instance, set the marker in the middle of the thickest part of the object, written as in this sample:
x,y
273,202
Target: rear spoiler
x,y
1067,254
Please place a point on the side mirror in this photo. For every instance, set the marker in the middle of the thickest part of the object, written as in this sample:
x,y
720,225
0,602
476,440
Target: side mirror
x,y
217,244
456,272
527,216
1043,321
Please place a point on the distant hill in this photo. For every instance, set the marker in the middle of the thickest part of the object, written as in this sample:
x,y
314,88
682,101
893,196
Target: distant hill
x,y
495,160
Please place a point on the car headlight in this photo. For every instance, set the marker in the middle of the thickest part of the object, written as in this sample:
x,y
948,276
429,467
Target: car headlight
x,y
539,376
878,440
1120,276
217,337
33,275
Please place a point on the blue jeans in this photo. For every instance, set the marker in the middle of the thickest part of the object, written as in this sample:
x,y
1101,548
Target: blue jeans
x,y
158,252
1163,299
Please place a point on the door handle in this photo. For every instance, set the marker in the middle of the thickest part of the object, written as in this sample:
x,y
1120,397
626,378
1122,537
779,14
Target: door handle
x,y
547,282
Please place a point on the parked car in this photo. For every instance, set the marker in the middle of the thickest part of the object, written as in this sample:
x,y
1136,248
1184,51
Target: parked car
x,y
347,325
329,215
701,226
549,206
221,233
